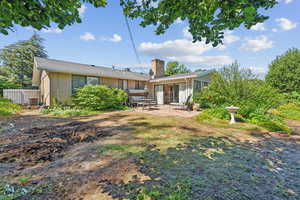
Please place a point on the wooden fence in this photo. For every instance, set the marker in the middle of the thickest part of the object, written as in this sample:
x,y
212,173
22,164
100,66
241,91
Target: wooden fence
x,y
21,96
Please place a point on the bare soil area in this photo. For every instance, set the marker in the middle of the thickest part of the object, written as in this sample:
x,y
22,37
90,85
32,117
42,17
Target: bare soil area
x,y
136,155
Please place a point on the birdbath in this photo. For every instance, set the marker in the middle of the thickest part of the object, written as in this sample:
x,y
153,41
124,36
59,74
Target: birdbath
x,y
232,110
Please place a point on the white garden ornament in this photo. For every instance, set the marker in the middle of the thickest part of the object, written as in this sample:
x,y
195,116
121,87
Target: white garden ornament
x,y
232,110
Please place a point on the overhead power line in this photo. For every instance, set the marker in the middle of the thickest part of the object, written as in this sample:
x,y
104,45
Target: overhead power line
x,y
132,40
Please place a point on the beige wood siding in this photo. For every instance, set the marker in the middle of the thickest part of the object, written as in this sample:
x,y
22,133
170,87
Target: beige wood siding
x,y
45,88
110,82
61,87
131,84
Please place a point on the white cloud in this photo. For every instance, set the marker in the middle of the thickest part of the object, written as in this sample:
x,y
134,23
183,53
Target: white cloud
x,y
203,60
169,48
286,24
82,10
178,21
186,33
55,30
229,37
257,44
258,27
116,38
87,36
184,51
288,1
257,70
274,30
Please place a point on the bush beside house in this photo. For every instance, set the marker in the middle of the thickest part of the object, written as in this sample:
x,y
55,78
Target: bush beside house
x,y
235,86
90,100
7,108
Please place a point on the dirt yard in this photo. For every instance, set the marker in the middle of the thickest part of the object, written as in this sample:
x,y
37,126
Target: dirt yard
x,y
136,155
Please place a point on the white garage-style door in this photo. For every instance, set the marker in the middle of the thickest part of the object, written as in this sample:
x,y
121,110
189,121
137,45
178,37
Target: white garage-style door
x,y
159,90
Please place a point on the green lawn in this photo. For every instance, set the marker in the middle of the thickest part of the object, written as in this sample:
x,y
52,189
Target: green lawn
x,y
7,108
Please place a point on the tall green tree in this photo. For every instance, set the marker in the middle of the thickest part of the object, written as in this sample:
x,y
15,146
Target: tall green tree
x,y
207,19
176,68
17,59
284,71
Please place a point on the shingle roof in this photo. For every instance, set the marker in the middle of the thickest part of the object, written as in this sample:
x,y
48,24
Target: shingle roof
x,y
182,76
84,69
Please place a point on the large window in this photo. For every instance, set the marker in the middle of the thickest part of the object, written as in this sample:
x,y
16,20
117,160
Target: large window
x,y
80,81
199,85
92,80
139,85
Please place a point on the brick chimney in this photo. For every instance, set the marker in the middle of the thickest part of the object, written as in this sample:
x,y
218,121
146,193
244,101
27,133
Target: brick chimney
x,y
158,68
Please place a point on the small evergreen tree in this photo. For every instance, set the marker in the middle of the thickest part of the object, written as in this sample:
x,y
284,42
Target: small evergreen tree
x,y
176,68
17,59
284,71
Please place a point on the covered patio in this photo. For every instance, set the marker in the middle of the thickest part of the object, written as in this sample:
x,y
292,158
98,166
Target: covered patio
x,y
167,110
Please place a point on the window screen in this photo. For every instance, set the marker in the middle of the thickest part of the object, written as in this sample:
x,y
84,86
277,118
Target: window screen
x,y
139,85
197,86
90,80
78,82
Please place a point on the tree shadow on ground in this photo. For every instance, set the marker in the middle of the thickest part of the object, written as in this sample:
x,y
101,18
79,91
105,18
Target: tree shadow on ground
x,y
215,168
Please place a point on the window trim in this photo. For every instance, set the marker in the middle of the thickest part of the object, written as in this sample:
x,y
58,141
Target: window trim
x,y
85,82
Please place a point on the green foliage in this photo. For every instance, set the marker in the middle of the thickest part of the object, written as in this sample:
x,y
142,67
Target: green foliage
x,y
206,19
288,111
7,108
238,87
291,97
40,13
100,97
235,86
268,121
61,111
17,59
216,112
10,192
7,84
120,148
176,68
284,71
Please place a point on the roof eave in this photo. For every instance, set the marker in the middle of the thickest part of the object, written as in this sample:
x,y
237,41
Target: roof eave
x,y
91,74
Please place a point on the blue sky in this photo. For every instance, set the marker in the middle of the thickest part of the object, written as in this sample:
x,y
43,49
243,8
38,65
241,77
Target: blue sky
x,y
102,39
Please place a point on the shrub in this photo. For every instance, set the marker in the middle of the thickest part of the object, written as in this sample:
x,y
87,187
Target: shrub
x,y
99,97
233,86
239,87
288,111
68,112
292,97
7,84
7,108
216,112
268,121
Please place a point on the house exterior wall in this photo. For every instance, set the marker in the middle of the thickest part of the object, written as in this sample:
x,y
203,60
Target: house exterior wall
x,y
109,82
45,88
58,86
61,87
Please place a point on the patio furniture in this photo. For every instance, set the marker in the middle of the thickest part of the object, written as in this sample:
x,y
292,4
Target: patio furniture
x,y
183,106
148,102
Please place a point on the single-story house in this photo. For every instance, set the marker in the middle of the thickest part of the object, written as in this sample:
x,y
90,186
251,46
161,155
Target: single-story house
x,y
59,79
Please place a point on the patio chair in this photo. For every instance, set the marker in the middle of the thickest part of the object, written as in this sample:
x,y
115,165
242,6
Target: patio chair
x,y
185,105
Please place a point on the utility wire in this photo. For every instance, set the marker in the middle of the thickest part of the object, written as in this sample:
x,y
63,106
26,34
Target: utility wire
x,y
132,41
